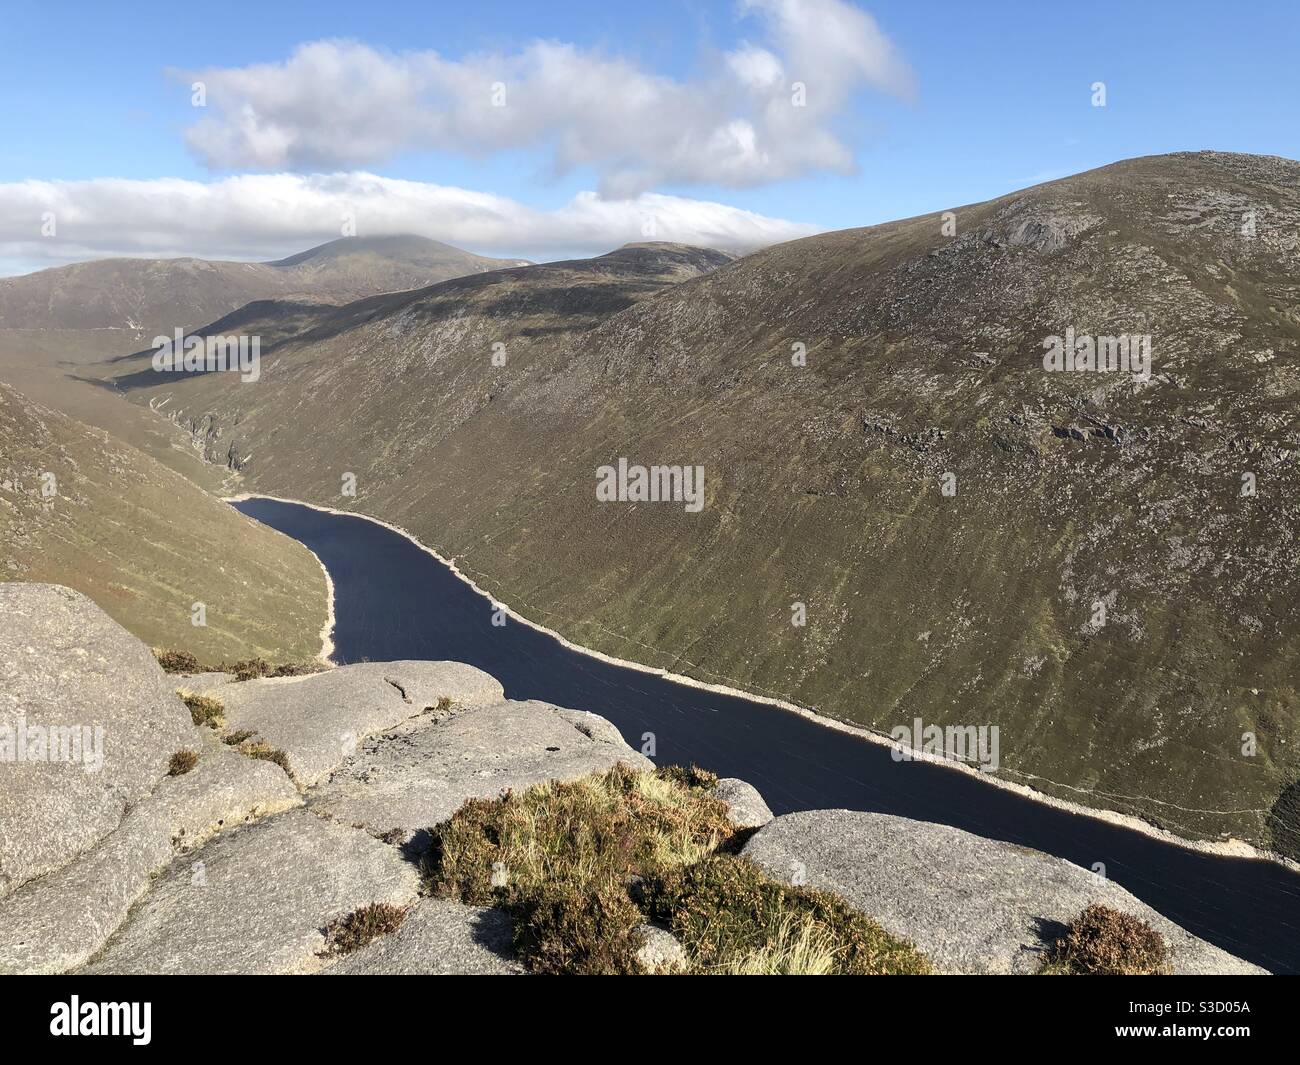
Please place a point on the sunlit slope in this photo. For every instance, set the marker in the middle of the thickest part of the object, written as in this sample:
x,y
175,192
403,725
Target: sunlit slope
x,y
1096,581
81,509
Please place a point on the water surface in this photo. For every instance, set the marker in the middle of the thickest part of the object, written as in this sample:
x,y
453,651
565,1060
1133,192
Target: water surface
x,y
394,601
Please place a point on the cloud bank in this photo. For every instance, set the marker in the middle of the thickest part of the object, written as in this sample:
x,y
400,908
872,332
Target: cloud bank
x,y
764,112
265,216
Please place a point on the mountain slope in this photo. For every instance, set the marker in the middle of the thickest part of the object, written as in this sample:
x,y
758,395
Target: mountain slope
x,y
146,544
1100,586
113,306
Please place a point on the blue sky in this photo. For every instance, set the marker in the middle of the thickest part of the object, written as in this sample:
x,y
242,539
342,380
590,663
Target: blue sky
x,y
980,99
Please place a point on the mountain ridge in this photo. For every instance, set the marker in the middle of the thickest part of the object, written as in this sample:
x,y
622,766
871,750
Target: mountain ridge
x,y
1097,580
130,300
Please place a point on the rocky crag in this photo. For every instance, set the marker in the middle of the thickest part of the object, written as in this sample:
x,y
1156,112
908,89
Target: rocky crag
x,y
111,863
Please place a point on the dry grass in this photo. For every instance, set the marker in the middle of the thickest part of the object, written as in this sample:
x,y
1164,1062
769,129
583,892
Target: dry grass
x,y
1106,942
581,864
204,710
177,661
256,668
260,749
181,763
732,918
174,661
362,926
603,828
797,946
587,929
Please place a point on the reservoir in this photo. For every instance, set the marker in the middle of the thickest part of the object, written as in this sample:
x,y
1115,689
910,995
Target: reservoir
x,y
394,601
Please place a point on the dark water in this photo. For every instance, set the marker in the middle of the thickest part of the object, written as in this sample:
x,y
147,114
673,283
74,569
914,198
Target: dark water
x,y
395,601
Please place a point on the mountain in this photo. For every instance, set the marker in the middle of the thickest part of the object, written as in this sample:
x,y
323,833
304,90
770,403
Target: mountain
x,y
113,306
567,295
351,267
146,543
1103,565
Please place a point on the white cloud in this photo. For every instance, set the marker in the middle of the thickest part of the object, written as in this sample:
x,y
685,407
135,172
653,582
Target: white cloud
x,y
264,216
755,68
343,104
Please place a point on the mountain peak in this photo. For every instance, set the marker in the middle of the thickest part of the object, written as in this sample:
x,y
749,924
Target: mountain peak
x,y
407,247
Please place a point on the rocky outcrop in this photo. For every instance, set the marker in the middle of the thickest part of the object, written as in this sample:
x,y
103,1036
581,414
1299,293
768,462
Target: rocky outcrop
x,y
235,867
319,719
438,938
972,905
745,806
117,870
87,724
58,921
257,900
421,773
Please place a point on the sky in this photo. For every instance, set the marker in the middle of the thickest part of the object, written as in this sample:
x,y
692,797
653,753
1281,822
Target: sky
x,y
547,130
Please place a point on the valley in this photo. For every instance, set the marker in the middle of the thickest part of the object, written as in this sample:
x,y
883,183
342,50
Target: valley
x,y
975,540
393,598
703,488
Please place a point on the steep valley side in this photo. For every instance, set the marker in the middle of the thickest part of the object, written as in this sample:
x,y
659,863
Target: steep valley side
x,y
1099,585
80,508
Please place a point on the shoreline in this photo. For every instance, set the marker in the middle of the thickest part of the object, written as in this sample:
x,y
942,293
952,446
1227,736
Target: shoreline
x,y
326,655
1230,848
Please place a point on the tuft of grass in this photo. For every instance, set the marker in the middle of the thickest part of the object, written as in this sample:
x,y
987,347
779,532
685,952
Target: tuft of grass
x,y
362,926
691,776
1103,941
394,837
257,668
604,828
797,946
585,929
581,864
260,749
173,661
181,763
238,736
204,710
177,661
732,917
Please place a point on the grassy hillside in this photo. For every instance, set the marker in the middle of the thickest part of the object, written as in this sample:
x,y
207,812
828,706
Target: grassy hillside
x,y
61,328
146,544
825,482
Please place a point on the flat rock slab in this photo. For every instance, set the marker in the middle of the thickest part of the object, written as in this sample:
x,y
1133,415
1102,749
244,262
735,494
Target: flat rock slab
x,y
67,666
318,720
256,900
972,905
59,921
439,938
421,773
